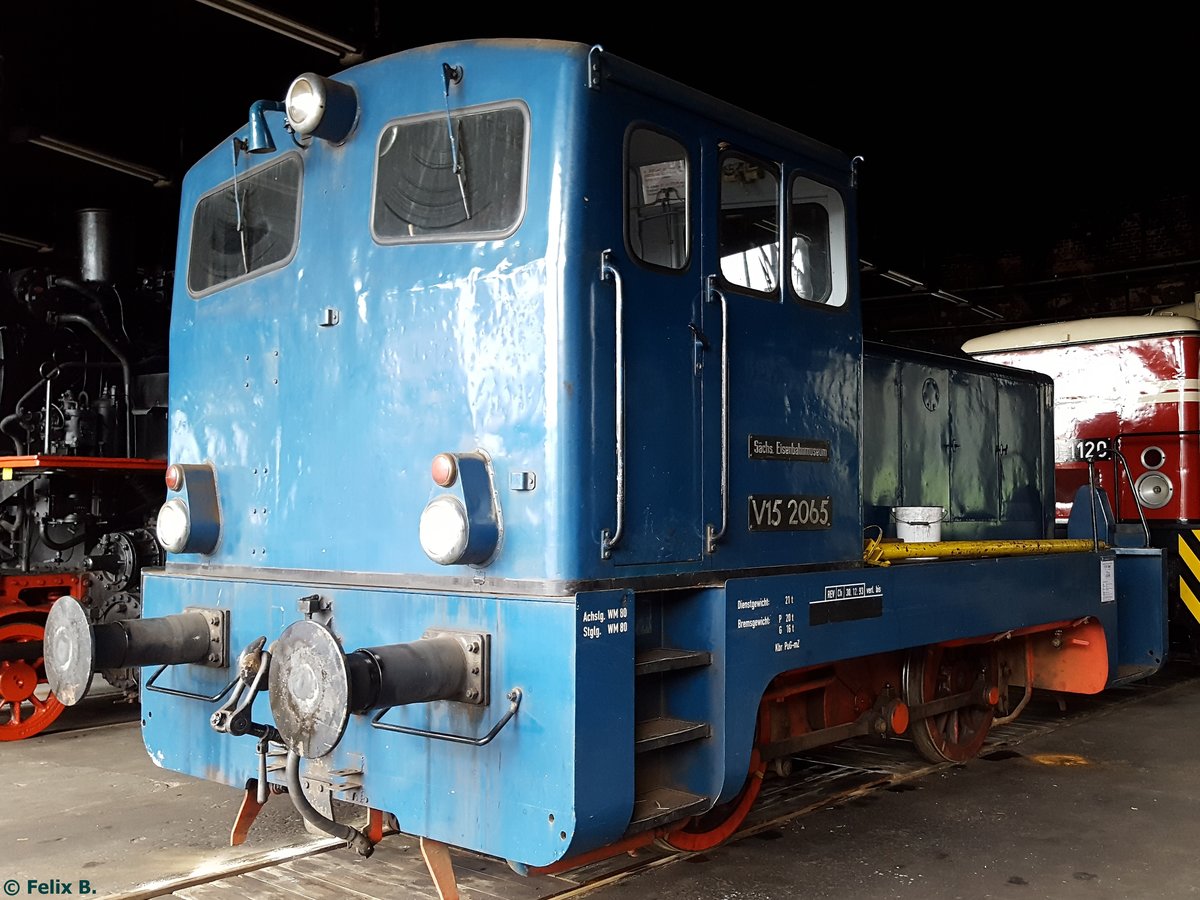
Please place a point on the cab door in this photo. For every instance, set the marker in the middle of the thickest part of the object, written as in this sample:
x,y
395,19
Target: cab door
x,y
657,268
782,380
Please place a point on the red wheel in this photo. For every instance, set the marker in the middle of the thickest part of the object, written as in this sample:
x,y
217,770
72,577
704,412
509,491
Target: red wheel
x,y
933,672
27,707
718,824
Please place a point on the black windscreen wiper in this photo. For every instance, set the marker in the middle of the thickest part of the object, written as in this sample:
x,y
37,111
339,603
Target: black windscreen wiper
x,y
237,206
453,75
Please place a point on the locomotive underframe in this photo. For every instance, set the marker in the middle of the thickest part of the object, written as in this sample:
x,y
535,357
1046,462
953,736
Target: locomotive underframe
x,y
595,691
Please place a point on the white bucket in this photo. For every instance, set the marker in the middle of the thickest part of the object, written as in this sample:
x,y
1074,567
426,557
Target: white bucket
x,y
918,523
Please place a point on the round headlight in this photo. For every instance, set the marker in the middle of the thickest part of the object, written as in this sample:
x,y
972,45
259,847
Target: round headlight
x,y
321,107
174,525
444,530
1154,490
1153,458
305,104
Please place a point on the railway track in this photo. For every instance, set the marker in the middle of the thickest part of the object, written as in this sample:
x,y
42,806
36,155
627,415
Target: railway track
x,y
819,779
105,708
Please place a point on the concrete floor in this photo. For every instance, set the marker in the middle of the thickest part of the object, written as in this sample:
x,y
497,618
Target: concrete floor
x,y
1105,807
1108,807
89,804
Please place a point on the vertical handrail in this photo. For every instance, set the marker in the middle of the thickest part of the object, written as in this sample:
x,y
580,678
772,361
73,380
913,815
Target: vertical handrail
x,y
46,421
1137,501
609,540
1091,464
713,536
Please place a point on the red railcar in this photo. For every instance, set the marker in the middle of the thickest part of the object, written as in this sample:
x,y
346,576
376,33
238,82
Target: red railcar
x,y
1127,406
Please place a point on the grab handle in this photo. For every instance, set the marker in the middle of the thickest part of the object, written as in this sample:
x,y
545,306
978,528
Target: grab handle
x,y
609,540
514,702
714,536
1137,500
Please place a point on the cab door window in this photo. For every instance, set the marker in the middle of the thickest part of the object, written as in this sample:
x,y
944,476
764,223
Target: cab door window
x,y
748,226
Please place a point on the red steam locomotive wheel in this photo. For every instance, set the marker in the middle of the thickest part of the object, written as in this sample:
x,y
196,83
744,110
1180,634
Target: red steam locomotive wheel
x,y
24,709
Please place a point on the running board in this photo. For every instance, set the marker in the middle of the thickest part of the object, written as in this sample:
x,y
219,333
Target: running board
x,y
666,659
663,805
654,734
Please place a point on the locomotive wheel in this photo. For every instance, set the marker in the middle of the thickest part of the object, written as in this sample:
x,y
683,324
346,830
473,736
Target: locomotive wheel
x,y
933,672
27,707
718,824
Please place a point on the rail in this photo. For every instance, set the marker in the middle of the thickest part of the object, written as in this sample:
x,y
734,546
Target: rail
x,y
881,553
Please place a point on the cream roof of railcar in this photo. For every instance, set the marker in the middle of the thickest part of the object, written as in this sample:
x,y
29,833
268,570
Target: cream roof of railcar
x,y
1169,320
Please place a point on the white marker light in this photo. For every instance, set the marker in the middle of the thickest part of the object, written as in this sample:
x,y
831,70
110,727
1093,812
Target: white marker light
x,y
174,525
444,530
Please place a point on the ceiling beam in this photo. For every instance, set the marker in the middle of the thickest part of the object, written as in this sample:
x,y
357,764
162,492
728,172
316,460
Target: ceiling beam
x,y
100,159
297,31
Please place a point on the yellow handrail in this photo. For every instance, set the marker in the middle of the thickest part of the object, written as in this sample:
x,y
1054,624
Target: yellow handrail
x,y
878,552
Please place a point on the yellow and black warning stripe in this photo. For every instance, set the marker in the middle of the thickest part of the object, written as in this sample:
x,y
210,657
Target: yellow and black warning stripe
x,y
1189,571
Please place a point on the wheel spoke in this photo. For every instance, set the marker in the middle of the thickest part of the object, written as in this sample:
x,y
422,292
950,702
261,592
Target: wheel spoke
x,y
25,681
936,672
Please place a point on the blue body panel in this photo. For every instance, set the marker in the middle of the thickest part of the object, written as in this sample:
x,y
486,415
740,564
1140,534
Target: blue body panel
x,y
439,347
1141,585
501,346
574,728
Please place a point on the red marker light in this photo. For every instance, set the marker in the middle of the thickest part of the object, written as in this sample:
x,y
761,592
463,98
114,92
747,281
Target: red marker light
x,y
174,478
444,469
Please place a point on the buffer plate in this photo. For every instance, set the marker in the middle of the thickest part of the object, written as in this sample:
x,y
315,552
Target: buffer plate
x,y
309,689
70,650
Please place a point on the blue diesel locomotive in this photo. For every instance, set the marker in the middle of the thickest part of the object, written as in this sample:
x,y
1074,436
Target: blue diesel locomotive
x,y
523,434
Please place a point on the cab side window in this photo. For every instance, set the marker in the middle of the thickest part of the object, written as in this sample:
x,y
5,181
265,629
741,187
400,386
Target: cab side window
x,y
810,251
656,199
817,227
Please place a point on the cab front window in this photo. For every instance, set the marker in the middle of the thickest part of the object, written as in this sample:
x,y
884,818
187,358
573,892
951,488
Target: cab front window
x,y
245,227
451,177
